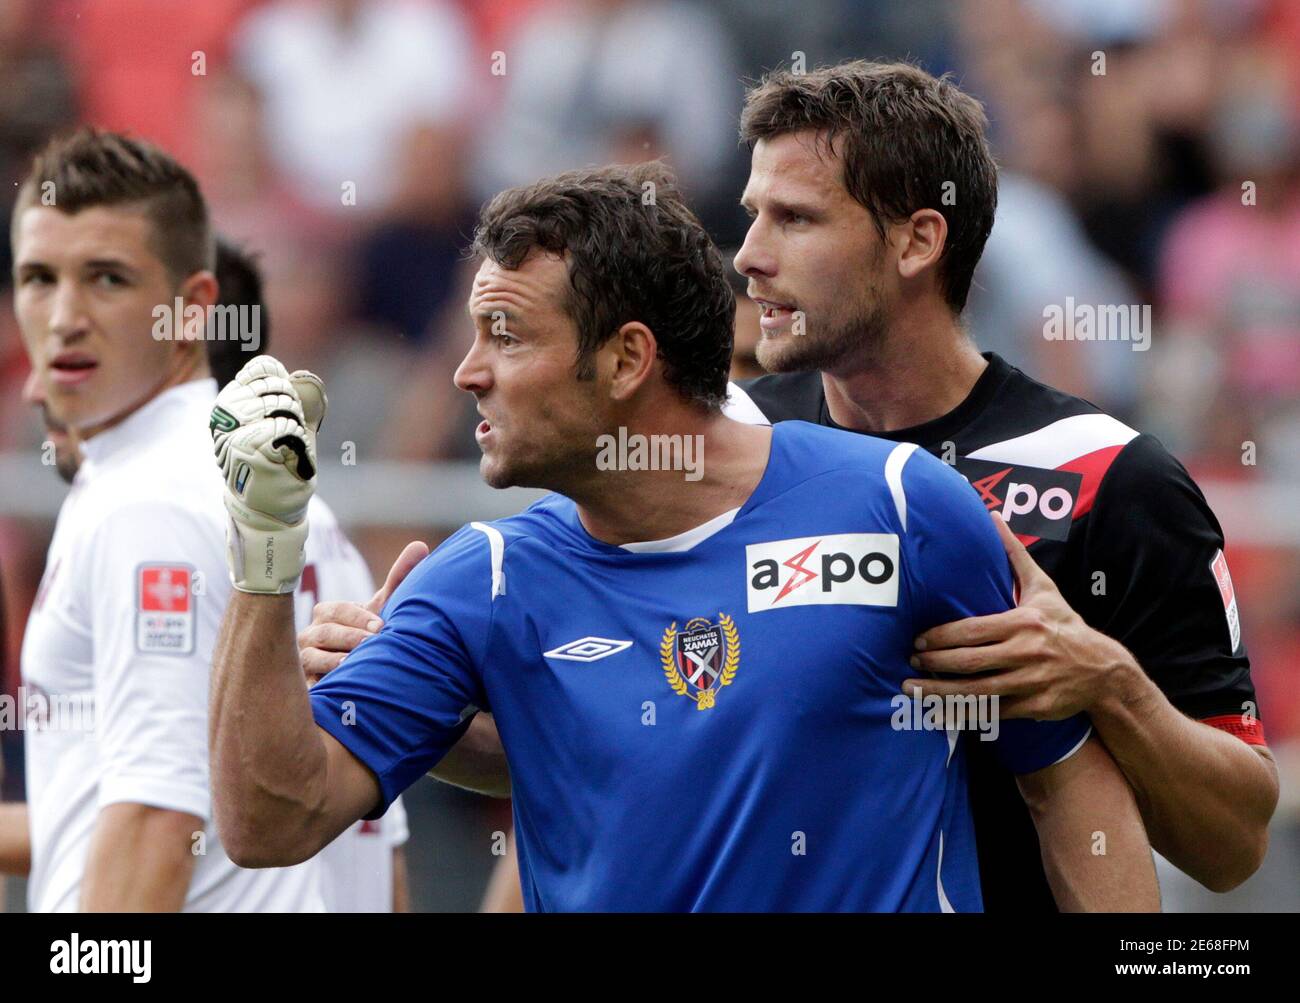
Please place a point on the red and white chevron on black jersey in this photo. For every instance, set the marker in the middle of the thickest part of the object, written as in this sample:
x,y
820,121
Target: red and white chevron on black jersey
x,y
1043,480
1124,533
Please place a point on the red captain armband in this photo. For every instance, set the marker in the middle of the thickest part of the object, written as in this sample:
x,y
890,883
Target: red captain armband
x,y
1247,728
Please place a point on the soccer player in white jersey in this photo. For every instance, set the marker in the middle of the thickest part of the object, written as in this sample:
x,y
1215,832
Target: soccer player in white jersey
x,y
363,870
117,652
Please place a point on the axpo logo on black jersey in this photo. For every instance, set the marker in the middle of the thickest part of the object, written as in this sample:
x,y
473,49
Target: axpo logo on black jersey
x,y
1033,500
859,569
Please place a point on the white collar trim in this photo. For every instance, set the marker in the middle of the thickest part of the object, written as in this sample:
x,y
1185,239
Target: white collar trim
x,y
687,540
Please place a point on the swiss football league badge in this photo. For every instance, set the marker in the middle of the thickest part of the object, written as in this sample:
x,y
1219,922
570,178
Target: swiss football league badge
x,y
164,609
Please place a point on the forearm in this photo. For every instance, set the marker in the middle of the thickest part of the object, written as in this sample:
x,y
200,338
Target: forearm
x,y
1095,850
269,768
141,859
1206,796
477,762
15,839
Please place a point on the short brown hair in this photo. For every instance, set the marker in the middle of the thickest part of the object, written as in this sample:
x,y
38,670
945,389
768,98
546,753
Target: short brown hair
x,y
635,253
91,168
902,134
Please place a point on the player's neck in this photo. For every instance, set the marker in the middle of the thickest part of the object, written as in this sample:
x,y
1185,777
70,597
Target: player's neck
x,y
182,370
716,465
918,373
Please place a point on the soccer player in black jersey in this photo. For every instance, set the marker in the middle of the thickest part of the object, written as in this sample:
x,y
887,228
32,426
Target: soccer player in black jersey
x,y
872,192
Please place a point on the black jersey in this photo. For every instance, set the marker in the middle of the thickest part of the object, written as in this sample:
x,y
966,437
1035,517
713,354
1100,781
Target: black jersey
x,y
1122,530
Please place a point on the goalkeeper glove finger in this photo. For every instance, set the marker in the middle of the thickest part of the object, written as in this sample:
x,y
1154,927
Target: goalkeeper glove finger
x,y
311,392
266,449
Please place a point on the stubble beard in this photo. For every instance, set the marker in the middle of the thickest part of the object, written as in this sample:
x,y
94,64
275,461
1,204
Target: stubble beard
x,y
830,348
552,471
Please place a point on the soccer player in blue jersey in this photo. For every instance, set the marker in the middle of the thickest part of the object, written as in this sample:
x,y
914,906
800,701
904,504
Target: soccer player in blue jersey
x,y
693,649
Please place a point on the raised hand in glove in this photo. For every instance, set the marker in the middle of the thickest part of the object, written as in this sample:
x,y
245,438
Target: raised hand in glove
x,y
264,429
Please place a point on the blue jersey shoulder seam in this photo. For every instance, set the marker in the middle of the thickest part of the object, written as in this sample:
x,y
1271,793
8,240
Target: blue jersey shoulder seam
x,y
877,475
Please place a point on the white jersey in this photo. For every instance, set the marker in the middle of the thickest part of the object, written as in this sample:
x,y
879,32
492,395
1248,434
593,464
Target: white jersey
x,y
117,656
357,868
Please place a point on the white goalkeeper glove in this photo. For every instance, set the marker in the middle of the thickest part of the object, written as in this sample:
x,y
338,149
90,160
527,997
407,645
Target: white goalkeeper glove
x,y
264,429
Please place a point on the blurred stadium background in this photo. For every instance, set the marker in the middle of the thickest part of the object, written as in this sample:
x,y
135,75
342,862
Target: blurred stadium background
x,y
1122,187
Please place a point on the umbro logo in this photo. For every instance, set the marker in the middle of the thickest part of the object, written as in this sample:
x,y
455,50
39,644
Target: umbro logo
x,y
588,649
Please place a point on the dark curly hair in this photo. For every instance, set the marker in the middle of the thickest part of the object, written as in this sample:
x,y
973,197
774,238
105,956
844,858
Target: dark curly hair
x,y
635,252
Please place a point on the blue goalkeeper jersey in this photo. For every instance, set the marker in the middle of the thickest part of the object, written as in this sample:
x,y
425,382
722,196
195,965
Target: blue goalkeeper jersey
x,y
711,722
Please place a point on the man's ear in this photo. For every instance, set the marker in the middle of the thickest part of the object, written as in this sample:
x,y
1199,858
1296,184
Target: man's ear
x,y
629,358
921,240
200,288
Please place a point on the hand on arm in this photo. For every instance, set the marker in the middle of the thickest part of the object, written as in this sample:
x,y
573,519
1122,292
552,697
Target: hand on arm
x,y
476,762
1206,797
1095,850
1043,661
337,628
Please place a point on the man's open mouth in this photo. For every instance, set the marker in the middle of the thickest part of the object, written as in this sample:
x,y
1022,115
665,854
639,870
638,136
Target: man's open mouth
x,y
774,316
72,367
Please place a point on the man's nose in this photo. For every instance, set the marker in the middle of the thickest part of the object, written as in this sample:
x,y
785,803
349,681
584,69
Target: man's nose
x,y
474,375
67,313
754,258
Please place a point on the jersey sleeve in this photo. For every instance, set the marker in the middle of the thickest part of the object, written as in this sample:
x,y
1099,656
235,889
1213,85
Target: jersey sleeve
x,y
157,590
960,569
1165,591
406,695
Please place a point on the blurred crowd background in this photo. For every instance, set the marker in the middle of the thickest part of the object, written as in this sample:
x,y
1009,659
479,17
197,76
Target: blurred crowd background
x,y
1150,154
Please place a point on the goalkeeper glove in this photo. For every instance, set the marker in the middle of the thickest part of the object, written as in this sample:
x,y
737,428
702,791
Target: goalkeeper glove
x,y
264,429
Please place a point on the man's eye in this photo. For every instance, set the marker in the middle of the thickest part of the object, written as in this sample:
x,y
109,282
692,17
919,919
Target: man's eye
x,y
108,279
34,278
504,338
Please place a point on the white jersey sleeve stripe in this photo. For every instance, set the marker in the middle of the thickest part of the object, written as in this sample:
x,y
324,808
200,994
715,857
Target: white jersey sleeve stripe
x,y
741,407
497,545
898,456
1086,735
944,904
